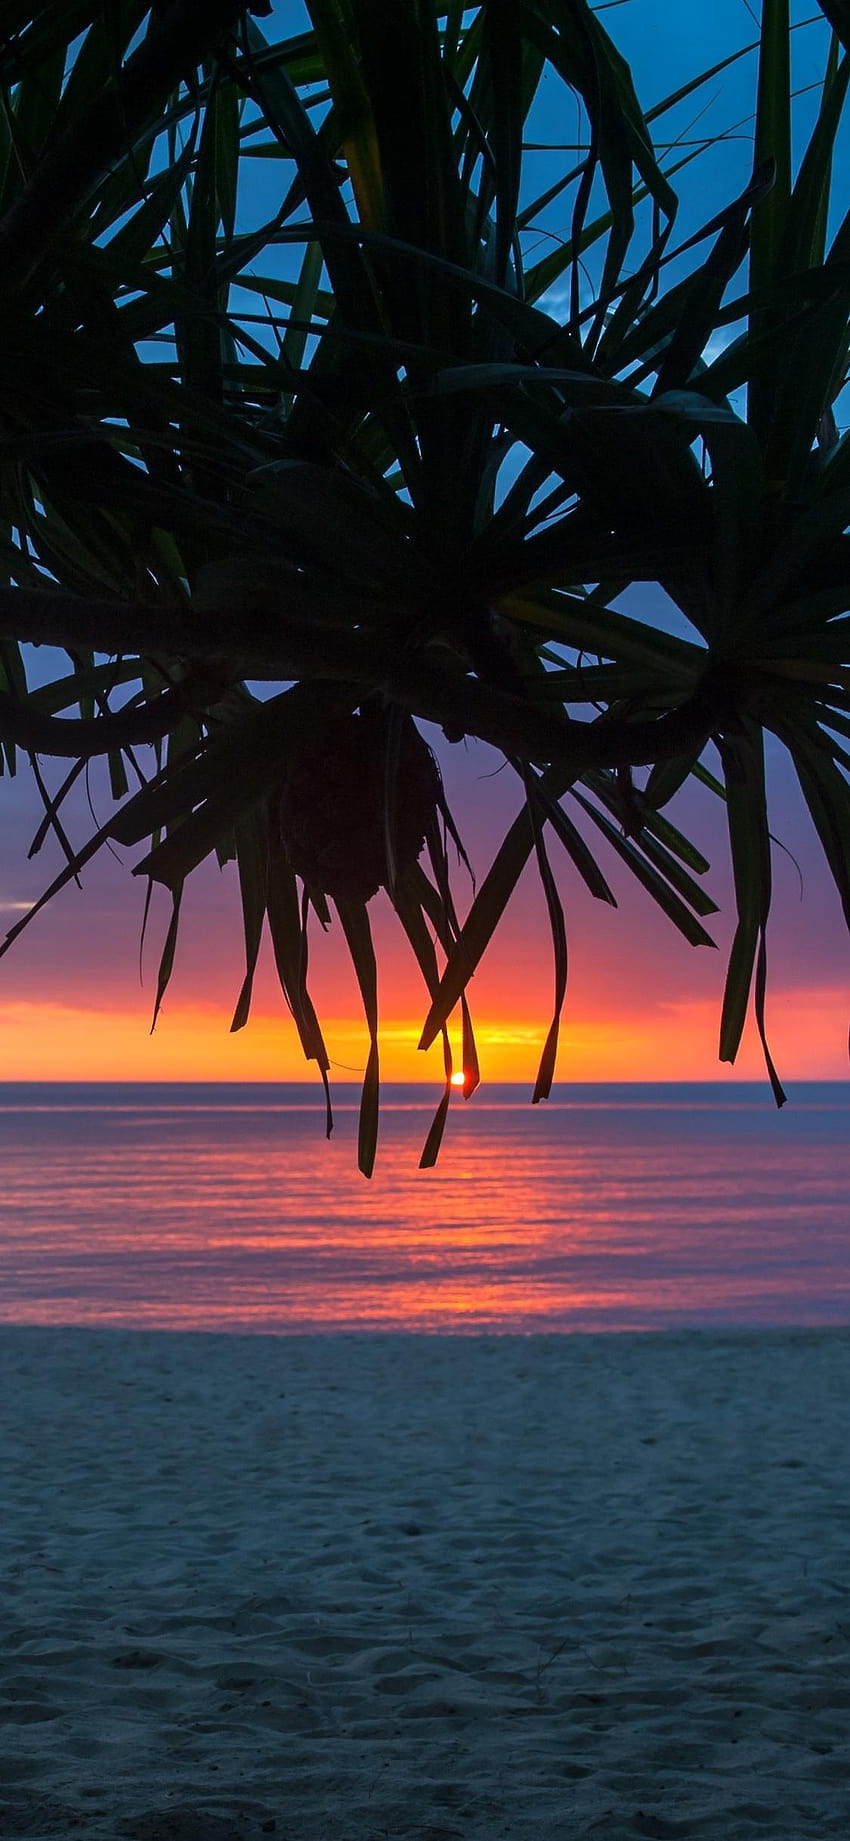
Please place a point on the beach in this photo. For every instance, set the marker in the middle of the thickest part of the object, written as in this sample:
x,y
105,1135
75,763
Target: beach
x,y
349,1587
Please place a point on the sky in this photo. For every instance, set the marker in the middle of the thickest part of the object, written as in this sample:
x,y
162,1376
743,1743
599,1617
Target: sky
x,y
642,1004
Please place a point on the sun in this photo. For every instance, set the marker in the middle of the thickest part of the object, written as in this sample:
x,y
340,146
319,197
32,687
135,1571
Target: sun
x,y
457,1080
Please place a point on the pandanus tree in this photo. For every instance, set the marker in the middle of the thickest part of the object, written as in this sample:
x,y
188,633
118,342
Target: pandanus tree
x,y
355,453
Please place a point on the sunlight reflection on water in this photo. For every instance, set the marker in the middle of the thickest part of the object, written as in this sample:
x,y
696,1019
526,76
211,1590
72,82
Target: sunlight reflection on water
x,y
608,1209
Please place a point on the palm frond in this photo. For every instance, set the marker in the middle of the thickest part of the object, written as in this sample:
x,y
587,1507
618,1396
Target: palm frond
x,y
355,441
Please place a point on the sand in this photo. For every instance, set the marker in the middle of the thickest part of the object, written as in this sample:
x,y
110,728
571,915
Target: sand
x,y
352,1588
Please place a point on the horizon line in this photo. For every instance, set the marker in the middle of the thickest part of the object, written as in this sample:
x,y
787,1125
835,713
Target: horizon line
x,y
424,1084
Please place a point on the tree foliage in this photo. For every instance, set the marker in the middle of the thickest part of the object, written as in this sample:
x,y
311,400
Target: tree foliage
x,y
354,449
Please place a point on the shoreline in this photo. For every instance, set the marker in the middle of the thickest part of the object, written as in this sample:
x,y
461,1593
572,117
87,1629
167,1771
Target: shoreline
x,y
360,1584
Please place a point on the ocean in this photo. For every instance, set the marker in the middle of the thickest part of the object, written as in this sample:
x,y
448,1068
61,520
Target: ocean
x,y
606,1208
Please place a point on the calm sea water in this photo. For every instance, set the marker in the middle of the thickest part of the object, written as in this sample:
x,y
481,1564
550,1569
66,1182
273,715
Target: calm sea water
x,y
608,1208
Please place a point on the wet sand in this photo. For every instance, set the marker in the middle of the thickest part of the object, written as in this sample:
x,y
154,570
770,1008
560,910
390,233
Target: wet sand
x,y
352,1587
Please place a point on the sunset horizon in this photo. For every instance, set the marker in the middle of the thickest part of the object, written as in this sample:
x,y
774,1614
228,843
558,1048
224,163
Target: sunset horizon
x,y
425,591
666,1042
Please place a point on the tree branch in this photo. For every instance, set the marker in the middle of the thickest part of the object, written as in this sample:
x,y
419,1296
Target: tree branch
x,y
80,738
261,645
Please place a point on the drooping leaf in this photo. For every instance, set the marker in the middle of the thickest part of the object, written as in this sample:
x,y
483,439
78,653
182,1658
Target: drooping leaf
x,y
546,1070
166,963
355,925
749,838
251,839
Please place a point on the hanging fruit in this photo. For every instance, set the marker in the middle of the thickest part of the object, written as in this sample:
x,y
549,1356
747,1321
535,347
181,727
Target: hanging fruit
x,y
362,789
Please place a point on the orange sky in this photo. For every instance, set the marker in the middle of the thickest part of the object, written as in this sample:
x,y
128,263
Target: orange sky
x,y
53,1041
641,1005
